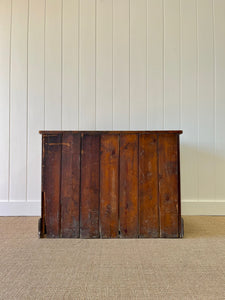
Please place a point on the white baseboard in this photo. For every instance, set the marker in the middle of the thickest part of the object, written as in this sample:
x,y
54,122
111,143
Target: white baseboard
x,y
205,208
189,207
29,208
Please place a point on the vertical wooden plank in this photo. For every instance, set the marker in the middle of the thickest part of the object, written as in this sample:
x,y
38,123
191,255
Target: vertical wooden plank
x,y
219,13
104,94
121,67
18,101
168,185
5,37
180,221
70,64
148,186
35,96
87,65
206,101
52,183
128,185
70,185
53,64
138,64
43,184
172,64
89,206
155,64
109,184
189,107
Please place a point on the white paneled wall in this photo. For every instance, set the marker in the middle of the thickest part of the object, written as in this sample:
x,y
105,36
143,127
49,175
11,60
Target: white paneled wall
x,y
35,96
121,65
5,65
189,98
117,65
70,64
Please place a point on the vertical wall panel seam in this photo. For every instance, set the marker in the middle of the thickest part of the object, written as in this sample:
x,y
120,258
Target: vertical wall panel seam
x,y
113,84
78,62
27,100
163,61
44,61
95,63
10,71
214,93
129,68
43,103
147,106
112,67
197,95
180,66
62,64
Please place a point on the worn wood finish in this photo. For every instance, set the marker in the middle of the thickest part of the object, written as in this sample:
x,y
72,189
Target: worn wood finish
x,y
168,185
128,185
70,186
180,219
148,186
42,228
52,185
89,206
111,184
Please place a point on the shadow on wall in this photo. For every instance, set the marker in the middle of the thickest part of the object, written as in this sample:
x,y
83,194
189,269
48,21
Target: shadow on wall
x,y
202,173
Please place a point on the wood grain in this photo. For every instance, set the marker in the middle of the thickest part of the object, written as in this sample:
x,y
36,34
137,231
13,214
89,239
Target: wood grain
x,y
128,185
109,171
168,185
111,184
43,184
52,186
180,221
70,185
148,186
89,209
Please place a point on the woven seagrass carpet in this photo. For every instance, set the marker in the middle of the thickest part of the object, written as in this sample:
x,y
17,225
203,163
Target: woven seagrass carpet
x,y
188,268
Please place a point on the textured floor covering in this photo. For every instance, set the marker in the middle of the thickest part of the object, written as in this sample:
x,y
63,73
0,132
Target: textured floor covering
x,y
189,268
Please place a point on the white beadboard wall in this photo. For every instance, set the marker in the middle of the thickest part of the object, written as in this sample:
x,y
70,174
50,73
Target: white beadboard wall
x,y
117,65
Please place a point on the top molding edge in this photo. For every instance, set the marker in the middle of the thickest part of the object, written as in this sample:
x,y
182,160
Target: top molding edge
x,y
111,132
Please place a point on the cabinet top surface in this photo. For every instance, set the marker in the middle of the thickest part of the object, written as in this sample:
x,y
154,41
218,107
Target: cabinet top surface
x,y
111,132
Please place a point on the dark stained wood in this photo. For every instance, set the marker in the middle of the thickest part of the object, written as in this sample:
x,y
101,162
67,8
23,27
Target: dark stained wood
x,y
70,186
109,171
43,184
180,220
52,186
148,186
168,185
128,185
89,206
110,184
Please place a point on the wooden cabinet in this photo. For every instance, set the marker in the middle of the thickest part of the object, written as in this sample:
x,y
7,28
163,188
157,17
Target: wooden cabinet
x,y
114,184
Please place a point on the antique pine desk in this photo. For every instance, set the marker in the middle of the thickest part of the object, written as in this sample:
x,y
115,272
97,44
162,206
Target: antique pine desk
x,y
110,184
